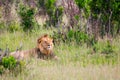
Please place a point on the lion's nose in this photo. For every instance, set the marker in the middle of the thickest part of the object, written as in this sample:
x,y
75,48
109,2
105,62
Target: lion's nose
x,y
48,46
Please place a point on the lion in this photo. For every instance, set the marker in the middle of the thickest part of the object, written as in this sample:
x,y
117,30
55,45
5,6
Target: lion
x,y
43,50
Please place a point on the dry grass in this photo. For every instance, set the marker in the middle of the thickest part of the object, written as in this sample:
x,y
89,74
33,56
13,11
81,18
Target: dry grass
x,y
53,71
76,62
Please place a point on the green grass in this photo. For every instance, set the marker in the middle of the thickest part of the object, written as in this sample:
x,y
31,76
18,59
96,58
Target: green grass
x,y
77,62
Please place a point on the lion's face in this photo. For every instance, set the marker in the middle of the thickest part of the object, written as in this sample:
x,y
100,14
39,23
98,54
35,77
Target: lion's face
x,y
45,44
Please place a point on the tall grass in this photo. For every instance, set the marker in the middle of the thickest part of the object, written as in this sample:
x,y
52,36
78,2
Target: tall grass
x,y
77,62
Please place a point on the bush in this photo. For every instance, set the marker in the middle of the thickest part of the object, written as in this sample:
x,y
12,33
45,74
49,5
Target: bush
x,y
108,49
54,12
77,36
9,62
27,17
12,65
14,26
106,11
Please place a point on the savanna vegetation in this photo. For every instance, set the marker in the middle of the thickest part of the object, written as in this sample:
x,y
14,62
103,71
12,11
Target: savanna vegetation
x,y
86,37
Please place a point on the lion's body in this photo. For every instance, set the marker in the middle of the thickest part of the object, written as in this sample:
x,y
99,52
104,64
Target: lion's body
x,y
43,50
25,54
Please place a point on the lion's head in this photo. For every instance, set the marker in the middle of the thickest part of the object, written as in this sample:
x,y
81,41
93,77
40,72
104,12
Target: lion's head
x,y
45,44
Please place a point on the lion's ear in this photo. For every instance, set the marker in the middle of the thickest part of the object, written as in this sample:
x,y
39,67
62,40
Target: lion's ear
x,y
53,41
39,40
46,35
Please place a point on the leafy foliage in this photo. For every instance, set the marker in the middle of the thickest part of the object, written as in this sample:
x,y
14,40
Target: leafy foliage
x,y
106,11
100,6
108,49
14,26
54,12
84,4
79,36
72,36
27,16
9,62
70,54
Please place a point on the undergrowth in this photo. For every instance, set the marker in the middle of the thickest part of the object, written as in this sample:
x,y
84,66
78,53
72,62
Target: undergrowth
x,y
70,53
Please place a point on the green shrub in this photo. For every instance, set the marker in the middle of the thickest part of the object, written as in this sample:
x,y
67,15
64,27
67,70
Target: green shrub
x,y
70,35
12,65
57,15
107,11
27,17
54,12
14,26
108,48
75,36
9,62
79,36
96,47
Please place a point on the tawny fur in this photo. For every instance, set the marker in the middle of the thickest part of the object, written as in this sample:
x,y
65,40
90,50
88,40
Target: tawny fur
x,y
25,54
43,50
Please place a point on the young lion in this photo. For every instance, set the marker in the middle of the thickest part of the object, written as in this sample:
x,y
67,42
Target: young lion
x,y
44,50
